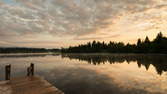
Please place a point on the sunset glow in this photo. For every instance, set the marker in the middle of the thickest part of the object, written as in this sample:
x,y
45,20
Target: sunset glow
x,y
61,23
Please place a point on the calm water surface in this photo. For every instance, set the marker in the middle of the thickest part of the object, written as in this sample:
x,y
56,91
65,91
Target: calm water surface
x,y
96,73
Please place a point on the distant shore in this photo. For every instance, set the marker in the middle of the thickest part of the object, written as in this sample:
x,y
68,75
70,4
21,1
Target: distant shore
x,y
157,45
25,54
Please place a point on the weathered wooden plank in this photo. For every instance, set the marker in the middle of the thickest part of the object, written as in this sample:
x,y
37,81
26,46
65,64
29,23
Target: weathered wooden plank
x,y
24,79
28,85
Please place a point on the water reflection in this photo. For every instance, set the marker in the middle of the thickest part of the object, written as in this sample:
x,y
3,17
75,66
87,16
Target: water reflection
x,y
158,61
96,73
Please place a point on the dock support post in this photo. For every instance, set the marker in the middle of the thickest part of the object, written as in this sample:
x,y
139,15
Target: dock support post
x,y
30,70
7,72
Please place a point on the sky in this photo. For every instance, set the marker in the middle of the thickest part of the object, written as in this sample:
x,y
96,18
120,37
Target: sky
x,y
61,23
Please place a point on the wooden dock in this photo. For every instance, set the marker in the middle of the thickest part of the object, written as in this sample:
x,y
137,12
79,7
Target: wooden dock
x,y
28,85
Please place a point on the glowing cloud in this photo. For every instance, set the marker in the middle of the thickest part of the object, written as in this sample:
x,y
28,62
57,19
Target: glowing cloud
x,y
57,23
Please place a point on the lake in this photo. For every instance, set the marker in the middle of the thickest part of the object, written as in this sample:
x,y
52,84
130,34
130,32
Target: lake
x,y
95,73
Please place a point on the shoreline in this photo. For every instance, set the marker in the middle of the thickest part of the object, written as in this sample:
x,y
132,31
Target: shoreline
x,y
26,54
80,54
116,53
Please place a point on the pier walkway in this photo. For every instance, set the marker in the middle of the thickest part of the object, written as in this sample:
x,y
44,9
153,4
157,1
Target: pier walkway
x,y
27,85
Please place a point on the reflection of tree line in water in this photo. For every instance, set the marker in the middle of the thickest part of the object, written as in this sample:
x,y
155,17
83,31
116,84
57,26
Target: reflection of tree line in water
x,y
158,61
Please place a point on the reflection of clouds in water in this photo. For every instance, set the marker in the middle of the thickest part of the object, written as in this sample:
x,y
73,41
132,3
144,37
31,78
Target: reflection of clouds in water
x,y
129,76
124,76
79,77
83,80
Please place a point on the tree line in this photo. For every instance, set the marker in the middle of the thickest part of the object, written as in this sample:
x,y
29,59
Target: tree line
x,y
26,50
157,45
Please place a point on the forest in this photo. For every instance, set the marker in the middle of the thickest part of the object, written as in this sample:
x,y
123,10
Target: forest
x,y
157,45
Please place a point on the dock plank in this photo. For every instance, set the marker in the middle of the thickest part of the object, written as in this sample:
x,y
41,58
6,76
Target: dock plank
x,y
28,85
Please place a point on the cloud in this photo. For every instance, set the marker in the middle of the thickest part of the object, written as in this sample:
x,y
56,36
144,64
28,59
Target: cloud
x,y
76,20
91,37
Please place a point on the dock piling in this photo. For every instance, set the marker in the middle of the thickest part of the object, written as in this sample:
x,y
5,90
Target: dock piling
x,y
30,70
7,72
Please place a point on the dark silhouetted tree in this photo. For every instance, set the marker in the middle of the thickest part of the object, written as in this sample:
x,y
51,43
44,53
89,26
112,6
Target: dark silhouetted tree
x,y
158,45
